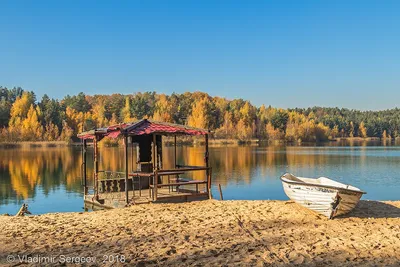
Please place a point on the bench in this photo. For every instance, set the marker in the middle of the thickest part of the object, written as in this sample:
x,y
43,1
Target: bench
x,y
178,184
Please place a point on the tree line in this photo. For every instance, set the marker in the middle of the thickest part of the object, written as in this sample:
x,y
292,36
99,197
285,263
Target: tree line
x,y
24,118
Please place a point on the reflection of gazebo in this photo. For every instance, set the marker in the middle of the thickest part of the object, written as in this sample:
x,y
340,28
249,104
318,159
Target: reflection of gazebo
x,y
111,188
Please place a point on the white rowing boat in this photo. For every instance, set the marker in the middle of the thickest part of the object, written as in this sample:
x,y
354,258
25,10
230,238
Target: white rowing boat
x,y
322,195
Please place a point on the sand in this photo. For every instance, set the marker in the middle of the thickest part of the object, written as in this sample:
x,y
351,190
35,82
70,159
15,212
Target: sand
x,y
210,233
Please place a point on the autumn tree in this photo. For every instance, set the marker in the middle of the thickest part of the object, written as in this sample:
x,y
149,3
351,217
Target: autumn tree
x,y
51,132
227,129
321,132
66,133
24,121
126,111
334,132
273,133
114,119
32,130
362,130
243,130
20,108
384,134
79,121
293,126
99,113
262,120
164,109
351,130
200,116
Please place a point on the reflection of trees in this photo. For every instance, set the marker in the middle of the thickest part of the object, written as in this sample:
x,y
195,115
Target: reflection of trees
x,y
24,175
22,170
240,164
300,156
230,164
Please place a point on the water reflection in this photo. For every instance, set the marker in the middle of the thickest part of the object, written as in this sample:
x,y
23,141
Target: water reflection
x,y
49,178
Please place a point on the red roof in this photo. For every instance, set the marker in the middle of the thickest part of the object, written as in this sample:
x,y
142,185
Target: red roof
x,y
149,127
143,127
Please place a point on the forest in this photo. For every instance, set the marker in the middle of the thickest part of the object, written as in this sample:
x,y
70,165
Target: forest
x,y
25,118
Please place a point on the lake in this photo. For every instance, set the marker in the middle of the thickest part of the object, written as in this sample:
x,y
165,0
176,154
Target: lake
x,y
48,179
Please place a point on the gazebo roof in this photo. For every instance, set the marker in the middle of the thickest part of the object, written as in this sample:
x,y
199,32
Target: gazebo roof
x,y
143,127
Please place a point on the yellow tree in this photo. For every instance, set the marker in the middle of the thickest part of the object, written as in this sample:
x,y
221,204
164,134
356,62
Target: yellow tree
x,y
31,127
164,109
272,133
307,131
321,132
244,131
247,120
74,119
335,131
20,108
114,119
362,130
51,132
292,126
384,134
98,113
18,113
351,134
66,133
126,111
200,116
247,113
79,121
227,129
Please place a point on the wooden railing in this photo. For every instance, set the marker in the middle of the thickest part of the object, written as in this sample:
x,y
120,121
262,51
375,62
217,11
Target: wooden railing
x,y
113,181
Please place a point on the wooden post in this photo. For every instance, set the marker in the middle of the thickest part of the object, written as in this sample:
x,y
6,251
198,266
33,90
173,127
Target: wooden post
x,y
126,170
175,151
96,168
207,165
155,176
84,148
83,162
220,192
133,159
209,184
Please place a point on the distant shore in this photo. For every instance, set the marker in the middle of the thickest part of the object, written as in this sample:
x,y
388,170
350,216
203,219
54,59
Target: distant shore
x,y
218,233
212,142
33,144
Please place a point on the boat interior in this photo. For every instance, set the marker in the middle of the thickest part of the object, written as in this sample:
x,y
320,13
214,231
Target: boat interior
x,y
321,181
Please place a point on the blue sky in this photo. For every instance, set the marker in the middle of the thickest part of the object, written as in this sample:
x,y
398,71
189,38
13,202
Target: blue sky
x,y
279,53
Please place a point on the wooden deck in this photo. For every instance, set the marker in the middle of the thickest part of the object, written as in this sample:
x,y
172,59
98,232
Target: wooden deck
x,y
164,195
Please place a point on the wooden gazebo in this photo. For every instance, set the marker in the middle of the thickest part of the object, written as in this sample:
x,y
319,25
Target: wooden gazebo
x,y
115,189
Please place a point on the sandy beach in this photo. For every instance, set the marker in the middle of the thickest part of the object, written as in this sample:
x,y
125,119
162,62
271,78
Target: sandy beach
x,y
209,233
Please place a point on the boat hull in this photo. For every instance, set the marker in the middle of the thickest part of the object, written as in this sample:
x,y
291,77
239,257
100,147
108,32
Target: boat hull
x,y
327,201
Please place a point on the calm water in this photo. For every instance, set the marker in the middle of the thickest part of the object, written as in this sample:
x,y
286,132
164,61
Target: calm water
x,y
48,179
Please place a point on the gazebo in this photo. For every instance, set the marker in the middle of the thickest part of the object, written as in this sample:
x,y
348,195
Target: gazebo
x,y
115,189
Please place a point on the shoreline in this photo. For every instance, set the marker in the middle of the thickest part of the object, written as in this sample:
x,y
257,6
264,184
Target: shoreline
x,y
211,232
34,144
212,142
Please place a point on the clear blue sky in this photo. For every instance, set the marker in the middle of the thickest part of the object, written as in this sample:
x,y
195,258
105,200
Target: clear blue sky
x,y
279,53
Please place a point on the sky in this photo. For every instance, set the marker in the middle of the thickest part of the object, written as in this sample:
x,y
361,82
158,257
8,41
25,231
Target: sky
x,y
280,53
